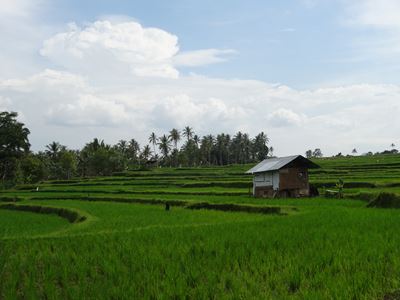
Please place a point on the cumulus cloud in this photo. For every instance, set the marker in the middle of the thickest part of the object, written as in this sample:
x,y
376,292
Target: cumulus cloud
x,y
117,46
61,98
121,80
202,113
67,107
285,117
88,110
146,51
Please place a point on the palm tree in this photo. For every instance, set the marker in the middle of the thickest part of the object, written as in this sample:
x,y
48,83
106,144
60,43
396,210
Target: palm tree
x,y
188,132
146,152
122,146
246,147
271,151
392,145
164,145
97,144
153,140
133,149
53,149
196,140
207,143
175,137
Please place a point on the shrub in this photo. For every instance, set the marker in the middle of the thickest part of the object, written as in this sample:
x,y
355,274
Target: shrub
x,y
364,196
385,200
9,198
236,207
331,194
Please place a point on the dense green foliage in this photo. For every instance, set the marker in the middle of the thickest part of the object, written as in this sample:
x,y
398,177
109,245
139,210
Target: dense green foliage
x,y
96,158
13,144
320,249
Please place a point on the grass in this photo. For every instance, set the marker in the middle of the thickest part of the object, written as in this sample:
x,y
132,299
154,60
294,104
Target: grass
x,y
322,248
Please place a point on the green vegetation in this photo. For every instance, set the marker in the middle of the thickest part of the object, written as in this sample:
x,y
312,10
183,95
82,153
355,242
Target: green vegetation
x,y
20,165
228,245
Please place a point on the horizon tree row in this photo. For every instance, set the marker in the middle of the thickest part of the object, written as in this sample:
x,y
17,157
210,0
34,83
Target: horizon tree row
x,y
18,164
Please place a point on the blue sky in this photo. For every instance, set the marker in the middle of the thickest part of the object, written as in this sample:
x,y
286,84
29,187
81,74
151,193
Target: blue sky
x,y
310,73
304,44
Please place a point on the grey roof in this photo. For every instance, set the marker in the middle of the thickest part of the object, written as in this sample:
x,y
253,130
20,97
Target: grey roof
x,y
277,163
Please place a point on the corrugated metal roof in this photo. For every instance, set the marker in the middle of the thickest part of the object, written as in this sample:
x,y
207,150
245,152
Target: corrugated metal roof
x,y
276,163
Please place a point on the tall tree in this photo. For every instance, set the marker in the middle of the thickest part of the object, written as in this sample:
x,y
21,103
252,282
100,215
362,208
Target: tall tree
x,y
260,147
98,158
153,140
133,150
196,140
53,149
175,137
188,132
122,146
206,148
271,151
14,143
164,145
146,152
317,152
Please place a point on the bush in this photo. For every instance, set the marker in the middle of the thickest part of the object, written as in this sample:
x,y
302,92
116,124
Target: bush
x,y
25,187
364,196
348,185
236,207
9,198
70,215
331,194
385,200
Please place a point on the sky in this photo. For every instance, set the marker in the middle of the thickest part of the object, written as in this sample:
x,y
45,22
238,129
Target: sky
x,y
309,73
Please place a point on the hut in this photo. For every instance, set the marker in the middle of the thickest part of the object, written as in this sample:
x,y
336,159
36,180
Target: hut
x,y
282,177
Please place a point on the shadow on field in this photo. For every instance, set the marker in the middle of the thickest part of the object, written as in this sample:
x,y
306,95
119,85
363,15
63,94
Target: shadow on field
x,y
392,296
10,199
227,207
237,208
70,215
385,200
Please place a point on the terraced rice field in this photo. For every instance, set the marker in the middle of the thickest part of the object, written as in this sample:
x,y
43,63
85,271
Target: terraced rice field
x,y
117,245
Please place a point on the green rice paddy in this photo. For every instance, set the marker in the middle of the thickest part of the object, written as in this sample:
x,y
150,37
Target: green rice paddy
x,y
125,248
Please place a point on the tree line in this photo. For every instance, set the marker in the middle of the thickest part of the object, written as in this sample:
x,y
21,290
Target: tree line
x,y
177,148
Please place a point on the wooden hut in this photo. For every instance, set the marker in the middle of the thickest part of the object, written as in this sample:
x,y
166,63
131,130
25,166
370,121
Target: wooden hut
x,y
282,177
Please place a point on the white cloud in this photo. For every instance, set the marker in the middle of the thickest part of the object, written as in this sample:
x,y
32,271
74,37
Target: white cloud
x,y
5,103
18,8
285,117
146,51
66,107
88,110
60,98
120,80
20,35
105,46
202,57
203,113
375,13
378,22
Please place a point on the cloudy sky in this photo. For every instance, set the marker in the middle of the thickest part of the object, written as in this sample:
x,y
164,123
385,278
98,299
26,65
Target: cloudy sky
x,y
309,73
